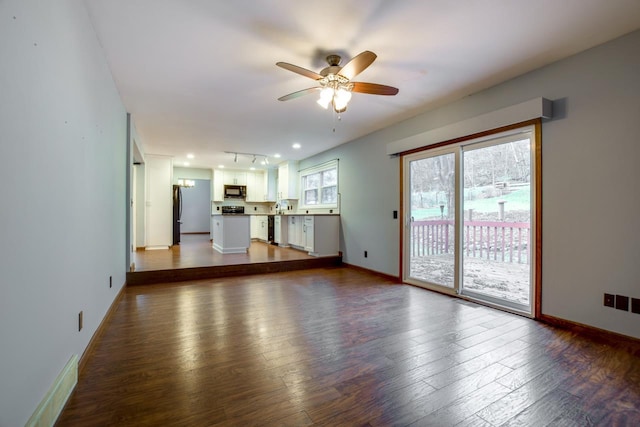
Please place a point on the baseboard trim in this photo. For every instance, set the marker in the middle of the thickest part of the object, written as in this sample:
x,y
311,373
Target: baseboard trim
x,y
51,406
96,335
630,344
374,272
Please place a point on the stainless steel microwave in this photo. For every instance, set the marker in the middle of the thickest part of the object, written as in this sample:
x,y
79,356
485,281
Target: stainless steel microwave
x,y
235,191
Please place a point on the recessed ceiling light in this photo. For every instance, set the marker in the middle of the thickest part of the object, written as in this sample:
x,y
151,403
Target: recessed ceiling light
x,y
277,156
186,163
296,146
221,166
190,156
252,169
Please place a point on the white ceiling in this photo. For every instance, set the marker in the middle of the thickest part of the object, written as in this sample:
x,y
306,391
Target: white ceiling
x,y
199,76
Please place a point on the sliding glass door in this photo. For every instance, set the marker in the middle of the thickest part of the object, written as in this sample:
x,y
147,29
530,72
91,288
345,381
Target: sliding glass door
x,y
432,233
469,226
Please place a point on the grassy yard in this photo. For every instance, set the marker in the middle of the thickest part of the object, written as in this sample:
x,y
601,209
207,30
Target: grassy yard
x,y
516,200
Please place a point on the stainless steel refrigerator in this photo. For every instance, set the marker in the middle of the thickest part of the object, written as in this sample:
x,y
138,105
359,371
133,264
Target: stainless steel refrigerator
x,y
177,213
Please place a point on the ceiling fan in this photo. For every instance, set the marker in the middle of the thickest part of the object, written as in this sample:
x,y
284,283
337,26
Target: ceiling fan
x,y
335,85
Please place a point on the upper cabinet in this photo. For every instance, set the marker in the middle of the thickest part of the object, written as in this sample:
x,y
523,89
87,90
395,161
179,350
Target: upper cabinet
x,y
288,180
255,184
222,178
218,186
261,185
269,185
234,178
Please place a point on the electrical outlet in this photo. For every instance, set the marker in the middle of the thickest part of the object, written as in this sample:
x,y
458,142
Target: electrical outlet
x,y
609,300
635,305
365,254
110,281
80,321
622,302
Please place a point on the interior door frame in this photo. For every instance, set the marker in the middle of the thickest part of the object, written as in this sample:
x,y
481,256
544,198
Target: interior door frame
x,y
536,236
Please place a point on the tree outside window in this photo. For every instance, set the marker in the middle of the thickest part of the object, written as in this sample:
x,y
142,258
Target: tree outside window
x,y
320,186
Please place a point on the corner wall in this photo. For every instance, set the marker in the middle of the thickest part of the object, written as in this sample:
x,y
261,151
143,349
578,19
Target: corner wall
x,y
63,224
590,200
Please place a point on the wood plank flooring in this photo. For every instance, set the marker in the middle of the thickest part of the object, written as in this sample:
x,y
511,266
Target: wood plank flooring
x,y
341,347
195,250
195,259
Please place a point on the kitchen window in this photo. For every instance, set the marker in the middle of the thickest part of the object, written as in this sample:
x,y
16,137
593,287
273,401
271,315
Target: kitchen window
x,y
320,185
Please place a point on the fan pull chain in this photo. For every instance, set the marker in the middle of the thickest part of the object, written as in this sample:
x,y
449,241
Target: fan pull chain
x,y
338,116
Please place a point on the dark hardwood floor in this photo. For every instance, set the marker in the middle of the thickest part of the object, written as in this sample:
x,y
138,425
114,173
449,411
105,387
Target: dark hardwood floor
x,y
195,259
195,250
341,347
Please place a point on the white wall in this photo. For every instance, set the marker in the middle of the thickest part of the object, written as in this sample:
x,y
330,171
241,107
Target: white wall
x,y
191,173
140,205
62,221
590,199
159,201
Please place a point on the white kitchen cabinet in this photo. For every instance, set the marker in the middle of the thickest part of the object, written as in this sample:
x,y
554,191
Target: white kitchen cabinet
x,y
255,186
259,227
218,186
269,185
234,178
307,230
281,231
295,236
253,226
263,233
288,180
317,234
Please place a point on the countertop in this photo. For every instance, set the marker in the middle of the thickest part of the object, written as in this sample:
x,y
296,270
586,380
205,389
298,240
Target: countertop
x,y
287,214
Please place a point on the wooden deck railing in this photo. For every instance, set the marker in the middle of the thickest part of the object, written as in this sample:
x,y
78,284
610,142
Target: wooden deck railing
x,y
496,240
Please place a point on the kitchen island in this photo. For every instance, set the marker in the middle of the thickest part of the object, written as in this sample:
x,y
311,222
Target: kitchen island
x,y
231,233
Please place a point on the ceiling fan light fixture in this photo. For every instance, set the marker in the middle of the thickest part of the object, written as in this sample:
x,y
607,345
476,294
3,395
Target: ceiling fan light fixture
x,y
336,82
341,99
326,95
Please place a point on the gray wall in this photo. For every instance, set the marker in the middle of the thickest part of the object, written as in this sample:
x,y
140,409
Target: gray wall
x,y
590,170
63,151
196,207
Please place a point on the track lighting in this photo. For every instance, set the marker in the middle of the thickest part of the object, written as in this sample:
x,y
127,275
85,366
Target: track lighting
x,y
254,157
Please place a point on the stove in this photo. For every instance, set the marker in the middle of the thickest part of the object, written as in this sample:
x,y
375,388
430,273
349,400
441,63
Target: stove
x,y
232,210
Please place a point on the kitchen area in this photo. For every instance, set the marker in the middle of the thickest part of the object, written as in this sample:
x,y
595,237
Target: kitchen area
x,y
264,219
262,206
